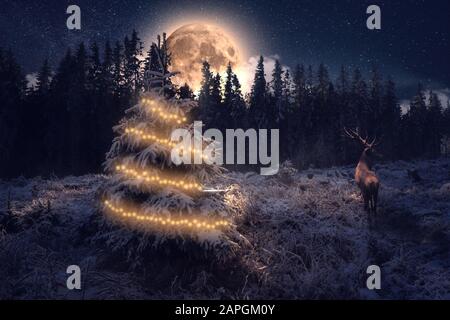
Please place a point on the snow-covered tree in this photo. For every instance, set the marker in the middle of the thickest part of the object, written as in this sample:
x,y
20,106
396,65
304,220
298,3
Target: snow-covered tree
x,y
150,196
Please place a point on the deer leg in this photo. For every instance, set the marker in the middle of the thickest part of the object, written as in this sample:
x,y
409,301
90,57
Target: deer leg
x,y
368,208
366,202
372,205
375,200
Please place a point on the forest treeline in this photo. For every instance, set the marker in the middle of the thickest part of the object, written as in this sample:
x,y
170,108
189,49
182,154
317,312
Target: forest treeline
x,y
311,110
63,124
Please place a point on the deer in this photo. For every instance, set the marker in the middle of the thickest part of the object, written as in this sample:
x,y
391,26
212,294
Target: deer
x,y
365,178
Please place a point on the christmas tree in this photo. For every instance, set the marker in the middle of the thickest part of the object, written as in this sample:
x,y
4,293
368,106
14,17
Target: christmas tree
x,y
149,197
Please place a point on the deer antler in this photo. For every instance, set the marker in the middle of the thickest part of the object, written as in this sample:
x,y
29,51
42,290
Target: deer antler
x,y
376,141
373,142
355,135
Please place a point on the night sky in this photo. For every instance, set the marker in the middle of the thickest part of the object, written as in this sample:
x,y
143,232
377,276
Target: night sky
x,y
413,45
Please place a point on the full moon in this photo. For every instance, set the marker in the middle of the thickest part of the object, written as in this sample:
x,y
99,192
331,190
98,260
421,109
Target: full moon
x,y
192,44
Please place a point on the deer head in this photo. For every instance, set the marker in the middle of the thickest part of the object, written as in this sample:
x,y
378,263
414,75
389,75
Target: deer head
x,y
368,146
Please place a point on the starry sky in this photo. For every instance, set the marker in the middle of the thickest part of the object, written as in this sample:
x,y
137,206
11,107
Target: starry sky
x,y
413,44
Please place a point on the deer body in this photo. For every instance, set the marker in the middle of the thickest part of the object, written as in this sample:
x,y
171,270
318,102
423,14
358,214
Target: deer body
x,y
368,182
365,178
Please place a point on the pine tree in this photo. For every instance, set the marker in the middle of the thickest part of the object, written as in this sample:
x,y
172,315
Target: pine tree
x,y
107,70
321,96
299,84
43,79
118,73
359,101
132,64
205,102
390,122
446,129
95,113
79,110
434,127
147,192
277,93
446,118
345,118
226,120
415,136
212,112
228,89
323,82
11,92
286,116
304,96
218,114
342,82
374,110
107,110
297,137
57,135
35,119
234,107
327,118
239,107
81,67
357,110
94,69
260,114
151,63
158,61
287,85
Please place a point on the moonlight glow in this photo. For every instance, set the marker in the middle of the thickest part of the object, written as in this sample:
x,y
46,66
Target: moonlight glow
x,y
194,43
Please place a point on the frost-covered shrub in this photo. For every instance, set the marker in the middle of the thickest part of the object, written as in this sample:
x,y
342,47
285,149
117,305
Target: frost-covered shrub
x,y
287,172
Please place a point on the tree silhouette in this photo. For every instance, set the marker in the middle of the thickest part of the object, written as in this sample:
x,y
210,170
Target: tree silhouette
x,y
64,121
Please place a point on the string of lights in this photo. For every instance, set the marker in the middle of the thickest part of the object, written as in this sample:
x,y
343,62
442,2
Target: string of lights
x,y
150,137
162,114
154,178
166,142
195,223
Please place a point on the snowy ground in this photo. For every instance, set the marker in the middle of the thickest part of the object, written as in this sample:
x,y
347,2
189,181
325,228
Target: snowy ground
x,y
308,237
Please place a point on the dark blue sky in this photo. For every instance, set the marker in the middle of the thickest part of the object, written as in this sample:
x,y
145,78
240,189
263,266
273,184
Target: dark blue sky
x,y
412,46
